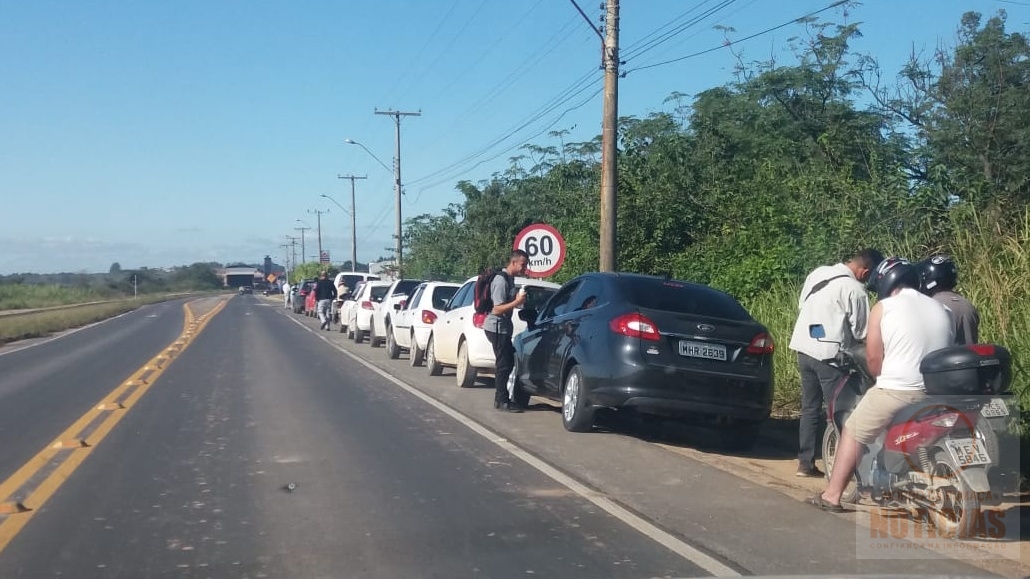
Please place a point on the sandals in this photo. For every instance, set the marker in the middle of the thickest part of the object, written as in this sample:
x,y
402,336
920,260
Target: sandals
x,y
820,503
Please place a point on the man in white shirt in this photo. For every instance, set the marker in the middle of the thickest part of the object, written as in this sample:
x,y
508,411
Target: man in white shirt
x,y
833,296
904,326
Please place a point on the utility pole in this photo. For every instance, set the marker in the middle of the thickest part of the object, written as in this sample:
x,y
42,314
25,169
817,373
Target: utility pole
x,y
319,214
609,140
303,253
353,223
397,179
293,245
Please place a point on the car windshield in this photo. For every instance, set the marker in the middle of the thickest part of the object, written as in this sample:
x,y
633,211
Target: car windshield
x,y
379,292
680,297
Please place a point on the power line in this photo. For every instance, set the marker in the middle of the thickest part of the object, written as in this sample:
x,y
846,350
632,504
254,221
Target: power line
x,y
746,38
665,37
429,40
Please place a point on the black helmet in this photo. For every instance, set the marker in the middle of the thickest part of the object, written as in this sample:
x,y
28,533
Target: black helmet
x,y
892,273
937,273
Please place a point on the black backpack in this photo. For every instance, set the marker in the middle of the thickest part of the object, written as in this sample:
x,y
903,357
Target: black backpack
x,y
482,302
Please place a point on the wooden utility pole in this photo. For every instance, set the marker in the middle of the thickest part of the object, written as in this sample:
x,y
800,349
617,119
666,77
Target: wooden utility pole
x,y
319,214
353,223
609,140
397,180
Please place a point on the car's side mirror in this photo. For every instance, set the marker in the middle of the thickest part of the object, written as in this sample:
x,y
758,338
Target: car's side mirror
x,y
529,315
397,307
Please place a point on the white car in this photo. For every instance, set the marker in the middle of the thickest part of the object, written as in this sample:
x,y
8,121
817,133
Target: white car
x,y
457,338
413,322
367,301
382,317
343,303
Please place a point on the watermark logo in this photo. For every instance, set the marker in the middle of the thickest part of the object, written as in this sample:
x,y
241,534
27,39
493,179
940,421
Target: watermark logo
x,y
951,498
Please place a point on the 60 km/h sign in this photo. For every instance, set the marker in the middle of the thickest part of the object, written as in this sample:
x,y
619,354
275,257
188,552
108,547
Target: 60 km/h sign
x,y
545,247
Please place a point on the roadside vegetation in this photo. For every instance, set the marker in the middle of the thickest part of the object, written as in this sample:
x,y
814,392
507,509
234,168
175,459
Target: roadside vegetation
x,y
749,186
30,291
44,323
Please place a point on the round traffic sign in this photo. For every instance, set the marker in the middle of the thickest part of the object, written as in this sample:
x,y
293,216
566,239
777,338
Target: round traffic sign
x,y
545,247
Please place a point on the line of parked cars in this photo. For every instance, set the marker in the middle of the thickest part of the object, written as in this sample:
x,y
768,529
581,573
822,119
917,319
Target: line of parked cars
x,y
651,345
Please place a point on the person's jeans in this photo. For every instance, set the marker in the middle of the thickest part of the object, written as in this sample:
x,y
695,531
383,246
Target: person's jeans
x,y
324,308
818,380
504,361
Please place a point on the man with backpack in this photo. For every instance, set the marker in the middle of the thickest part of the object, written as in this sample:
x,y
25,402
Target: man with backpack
x,y
835,297
499,299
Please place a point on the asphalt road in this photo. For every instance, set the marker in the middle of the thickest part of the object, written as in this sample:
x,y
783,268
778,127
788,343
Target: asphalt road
x,y
265,451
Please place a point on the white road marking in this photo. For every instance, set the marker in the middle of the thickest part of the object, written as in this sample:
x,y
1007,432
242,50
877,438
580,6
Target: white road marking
x,y
692,554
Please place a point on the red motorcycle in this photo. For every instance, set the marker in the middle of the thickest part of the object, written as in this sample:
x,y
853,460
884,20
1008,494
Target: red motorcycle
x,y
932,457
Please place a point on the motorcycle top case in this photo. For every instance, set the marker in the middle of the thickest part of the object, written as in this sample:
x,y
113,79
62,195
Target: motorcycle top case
x,y
967,370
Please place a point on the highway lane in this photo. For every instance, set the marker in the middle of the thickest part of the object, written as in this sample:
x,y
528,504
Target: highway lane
x,y
45,387
263,452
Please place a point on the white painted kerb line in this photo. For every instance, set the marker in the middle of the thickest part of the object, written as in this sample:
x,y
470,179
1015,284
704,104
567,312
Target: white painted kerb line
x,y
695,556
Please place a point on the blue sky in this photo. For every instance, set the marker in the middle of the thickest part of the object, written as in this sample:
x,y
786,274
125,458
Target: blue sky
x,y
164,133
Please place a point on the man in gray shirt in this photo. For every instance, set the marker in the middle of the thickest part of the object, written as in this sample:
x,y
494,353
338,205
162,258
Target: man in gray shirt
x,y
938,277
499,328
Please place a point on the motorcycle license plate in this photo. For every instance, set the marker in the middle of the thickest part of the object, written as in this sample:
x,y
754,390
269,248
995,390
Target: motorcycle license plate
x,y
995,408
967,451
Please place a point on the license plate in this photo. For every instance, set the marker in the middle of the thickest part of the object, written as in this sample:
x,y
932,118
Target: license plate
x,y
703,350
996,407
967,451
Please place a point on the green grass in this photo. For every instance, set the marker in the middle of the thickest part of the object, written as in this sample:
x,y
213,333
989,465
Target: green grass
x,y
994,273
40,324
16,296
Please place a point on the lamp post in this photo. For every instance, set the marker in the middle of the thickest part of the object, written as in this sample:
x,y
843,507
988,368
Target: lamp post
x,y
353,221
319,214
303,253
399,248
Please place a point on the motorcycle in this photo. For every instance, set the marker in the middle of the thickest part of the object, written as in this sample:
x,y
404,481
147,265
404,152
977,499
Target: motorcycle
x,y
932,458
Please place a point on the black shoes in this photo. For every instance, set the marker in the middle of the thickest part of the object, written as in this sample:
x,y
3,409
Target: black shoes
x,y
809,472
508,407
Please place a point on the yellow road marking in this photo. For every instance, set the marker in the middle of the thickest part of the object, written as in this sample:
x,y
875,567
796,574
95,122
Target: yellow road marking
x,y
68,441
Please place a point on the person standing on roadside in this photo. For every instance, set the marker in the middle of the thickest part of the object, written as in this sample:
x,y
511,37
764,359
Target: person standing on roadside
x,y
938,277
325,293
286,294
499,328
835,297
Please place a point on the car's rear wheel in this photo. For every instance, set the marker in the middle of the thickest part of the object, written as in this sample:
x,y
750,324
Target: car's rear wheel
x,y
466,373
359,334
576,416
373,339
415,354
434,367
392,349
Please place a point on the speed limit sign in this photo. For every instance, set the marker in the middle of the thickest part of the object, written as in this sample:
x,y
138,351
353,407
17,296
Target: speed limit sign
x,y
545,247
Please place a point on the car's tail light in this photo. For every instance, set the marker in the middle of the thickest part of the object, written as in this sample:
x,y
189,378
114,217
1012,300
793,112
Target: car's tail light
x,y
761,344
428,317
367,305
946,420
635,326
478,319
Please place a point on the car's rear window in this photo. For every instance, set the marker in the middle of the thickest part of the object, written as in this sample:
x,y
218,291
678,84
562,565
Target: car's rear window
x,y
351,280
537,296
405,286
379,291
441,295
681,297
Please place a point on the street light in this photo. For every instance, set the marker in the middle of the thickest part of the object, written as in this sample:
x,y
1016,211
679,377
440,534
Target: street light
x,y
303,252
353,142
353,224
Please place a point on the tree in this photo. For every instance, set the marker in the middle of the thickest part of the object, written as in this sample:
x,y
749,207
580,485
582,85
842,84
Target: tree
x,y
116,269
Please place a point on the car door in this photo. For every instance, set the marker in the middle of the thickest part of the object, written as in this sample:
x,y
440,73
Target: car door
x,y
445,335
571,318
539,343
404,316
